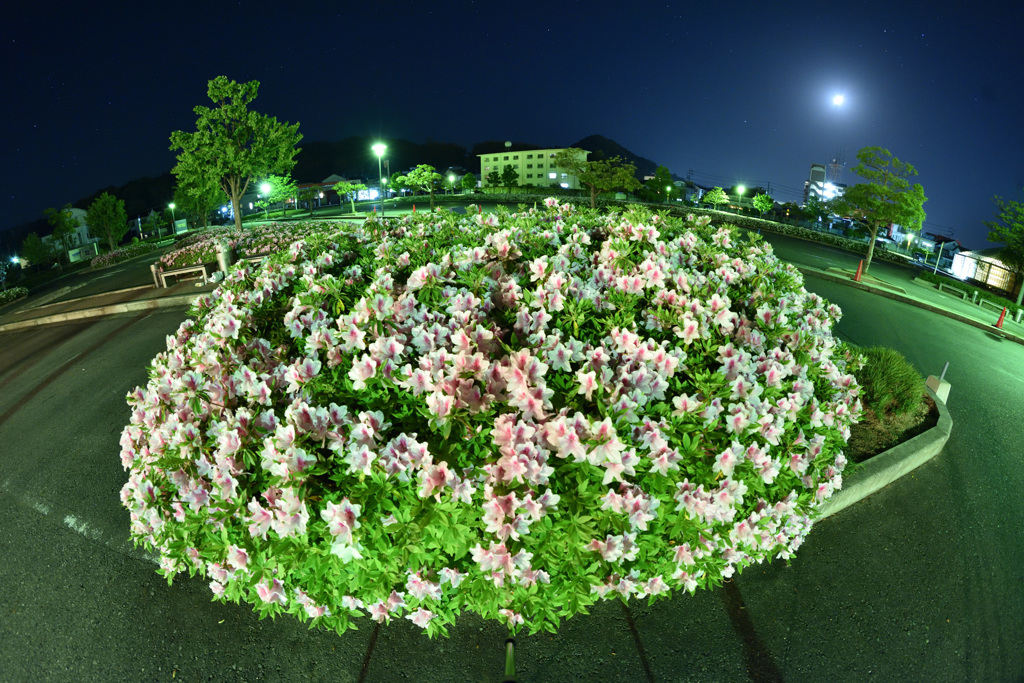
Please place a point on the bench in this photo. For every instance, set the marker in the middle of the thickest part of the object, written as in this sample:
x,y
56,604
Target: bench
x,y
998,307
204,269
943,287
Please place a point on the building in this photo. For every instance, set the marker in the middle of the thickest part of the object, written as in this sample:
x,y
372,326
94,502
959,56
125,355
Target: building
x,y
984,267
818,185
535,167
82,245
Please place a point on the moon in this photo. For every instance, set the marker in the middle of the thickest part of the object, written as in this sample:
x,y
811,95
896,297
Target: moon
x,y
838,100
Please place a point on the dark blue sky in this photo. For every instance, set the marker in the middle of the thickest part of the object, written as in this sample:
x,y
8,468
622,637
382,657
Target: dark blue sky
x,y
735,92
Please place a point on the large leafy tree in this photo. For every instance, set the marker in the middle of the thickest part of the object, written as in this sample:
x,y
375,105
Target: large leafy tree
x,y
351,189
888,198
232,145
493,179
1008,228
107,219
64,225
603,175
424,177
468,182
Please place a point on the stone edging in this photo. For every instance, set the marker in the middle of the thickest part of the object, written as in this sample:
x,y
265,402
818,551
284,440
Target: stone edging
x,y
890,465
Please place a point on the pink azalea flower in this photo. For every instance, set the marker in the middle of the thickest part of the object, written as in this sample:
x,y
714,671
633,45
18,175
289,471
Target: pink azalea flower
x,y
421,617
271,592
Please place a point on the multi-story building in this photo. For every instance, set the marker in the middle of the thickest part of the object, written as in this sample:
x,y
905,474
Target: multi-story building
x,y
534,166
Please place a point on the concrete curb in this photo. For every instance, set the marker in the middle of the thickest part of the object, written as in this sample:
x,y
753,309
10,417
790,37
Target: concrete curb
x,y
113,309
890,465
896,296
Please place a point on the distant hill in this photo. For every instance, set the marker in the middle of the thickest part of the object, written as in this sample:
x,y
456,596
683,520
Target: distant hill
x,y
601,147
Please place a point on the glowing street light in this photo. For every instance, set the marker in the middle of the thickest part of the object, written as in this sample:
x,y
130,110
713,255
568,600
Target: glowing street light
x,y
668,191
451,181
378,149
171,207
740,189
838,100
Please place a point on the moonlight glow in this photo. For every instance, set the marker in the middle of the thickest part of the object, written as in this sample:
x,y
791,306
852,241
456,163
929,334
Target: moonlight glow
x,y
838,100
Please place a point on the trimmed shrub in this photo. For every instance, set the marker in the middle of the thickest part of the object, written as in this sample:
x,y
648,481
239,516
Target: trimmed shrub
x,y
889,383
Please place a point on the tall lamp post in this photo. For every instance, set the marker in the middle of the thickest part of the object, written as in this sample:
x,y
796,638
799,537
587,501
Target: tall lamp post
x,y
378,149
668,193
451,181
171,207
740,189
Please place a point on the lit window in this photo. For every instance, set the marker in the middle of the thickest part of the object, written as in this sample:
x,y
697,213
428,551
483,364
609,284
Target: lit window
x,y
564,176
552,175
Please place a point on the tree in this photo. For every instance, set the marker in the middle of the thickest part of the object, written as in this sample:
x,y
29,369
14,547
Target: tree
x,y
35,250
1008,228
309,195
233,145
509,178
424,177
763,203
600,176
819,209
351,189
198,196
493,179
152,224
657,188
888,198
715,197
64,225
468,182
107,220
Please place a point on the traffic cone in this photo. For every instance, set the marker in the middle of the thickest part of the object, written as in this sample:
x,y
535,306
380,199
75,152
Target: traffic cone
x,y
1001,317
860,269
414,208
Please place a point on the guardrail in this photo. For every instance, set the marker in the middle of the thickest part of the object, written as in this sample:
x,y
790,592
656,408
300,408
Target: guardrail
x,y
943,287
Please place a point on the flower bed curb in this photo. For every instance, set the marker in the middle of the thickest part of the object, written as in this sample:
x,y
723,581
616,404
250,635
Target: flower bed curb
x,y
890,465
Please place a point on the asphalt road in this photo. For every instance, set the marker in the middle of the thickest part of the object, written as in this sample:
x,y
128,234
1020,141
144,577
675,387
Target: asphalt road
x,y
921,581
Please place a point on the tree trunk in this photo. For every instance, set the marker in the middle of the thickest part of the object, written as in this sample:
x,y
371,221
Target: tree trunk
x,y
871,248
593,196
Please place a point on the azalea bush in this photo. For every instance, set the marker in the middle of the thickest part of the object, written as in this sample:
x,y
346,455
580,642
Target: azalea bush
x,y
257,240
121,255
12,293
515,414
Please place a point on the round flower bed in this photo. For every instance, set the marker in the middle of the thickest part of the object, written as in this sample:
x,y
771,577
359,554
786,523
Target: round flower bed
x,y
514,414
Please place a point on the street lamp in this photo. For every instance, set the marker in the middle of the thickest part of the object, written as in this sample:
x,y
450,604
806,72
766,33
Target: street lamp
x,y
171,207
668,191
740,189
451,181
378,149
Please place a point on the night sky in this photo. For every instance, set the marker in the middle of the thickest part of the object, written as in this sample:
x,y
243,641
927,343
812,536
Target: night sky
x,y
735,92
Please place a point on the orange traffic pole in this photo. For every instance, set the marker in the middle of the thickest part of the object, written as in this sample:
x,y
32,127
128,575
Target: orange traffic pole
x,y
414,208
860,268
1001,317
